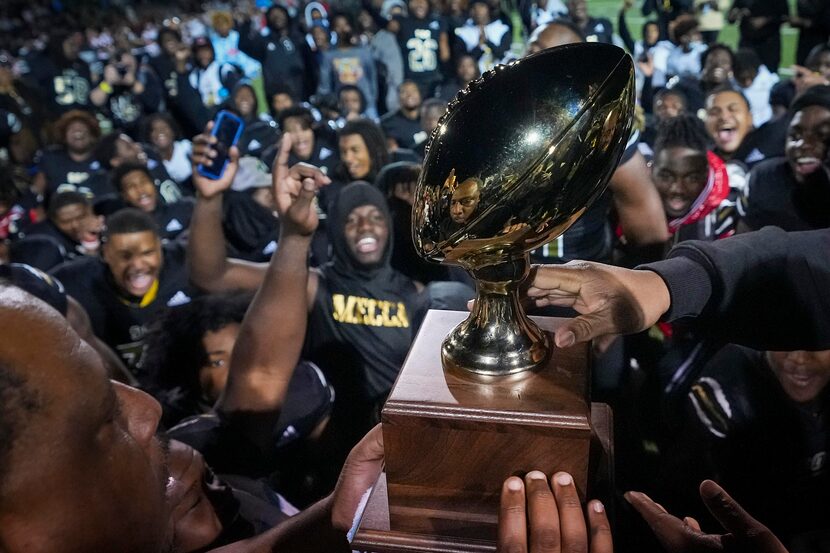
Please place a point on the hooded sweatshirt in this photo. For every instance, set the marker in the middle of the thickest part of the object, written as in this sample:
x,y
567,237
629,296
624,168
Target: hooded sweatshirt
x,y
281,56
260,130
364,318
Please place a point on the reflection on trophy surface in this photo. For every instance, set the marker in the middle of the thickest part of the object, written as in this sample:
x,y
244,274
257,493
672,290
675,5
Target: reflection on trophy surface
x,y
516,159
465,200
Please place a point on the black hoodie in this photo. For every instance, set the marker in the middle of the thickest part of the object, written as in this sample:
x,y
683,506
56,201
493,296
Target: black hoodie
x,y
260,131
364,318
282,56
360,327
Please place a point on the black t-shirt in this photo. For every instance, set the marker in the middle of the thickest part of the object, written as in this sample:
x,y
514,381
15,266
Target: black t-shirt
x,y
419,41
774,197
63,88
117,321
599,30
258,135
360,330
229,445
173,219
63,174
765,142
399,127
590,237
169,190
125,108
70,248
250,230
775,10
37,283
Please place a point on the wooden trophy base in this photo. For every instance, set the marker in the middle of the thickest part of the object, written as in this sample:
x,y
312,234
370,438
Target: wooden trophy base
x,y
451,439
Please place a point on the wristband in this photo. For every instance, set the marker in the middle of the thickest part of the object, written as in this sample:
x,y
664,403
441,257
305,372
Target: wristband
x,y
106,87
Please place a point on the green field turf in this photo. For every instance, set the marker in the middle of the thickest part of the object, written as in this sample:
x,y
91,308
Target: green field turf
x,y
729,35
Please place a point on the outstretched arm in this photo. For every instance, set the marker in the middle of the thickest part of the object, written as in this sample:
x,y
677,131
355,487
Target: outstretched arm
x,y
209,268
765,289
744,533
272,333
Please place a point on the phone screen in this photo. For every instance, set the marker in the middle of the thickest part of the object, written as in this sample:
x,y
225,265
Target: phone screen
x,y
226,131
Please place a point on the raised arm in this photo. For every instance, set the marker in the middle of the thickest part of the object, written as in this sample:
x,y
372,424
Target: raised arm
x,y
272,333
209,267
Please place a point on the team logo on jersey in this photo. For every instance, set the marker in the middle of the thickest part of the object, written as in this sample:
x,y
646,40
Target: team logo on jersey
x,y
173,226
349,70
270,248
179,298
369,311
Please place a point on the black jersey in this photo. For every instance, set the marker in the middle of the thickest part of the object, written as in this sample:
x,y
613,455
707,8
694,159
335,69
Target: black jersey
x,y
765,142
590,237
403,130
173,219
228,448
752,432
99,183
360,330
125,108
773,197
599,30
419,40
64,174
63,87
117,321
37,283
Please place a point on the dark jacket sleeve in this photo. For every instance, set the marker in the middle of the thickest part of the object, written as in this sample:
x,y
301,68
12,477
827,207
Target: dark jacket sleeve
x,y
766,289
254,45
190,103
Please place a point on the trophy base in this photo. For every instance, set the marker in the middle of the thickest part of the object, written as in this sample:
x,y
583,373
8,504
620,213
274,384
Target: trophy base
x,y
377,534
451,438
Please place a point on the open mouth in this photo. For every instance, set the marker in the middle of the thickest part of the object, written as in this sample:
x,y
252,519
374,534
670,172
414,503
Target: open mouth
x,y
727,134
145,201
799,380
139,282
367,244
677,204
807,165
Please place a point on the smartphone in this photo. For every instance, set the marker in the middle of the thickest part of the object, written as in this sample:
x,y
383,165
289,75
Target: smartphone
x,y
227,129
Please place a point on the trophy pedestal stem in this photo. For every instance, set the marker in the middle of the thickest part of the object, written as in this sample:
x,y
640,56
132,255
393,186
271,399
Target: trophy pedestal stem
x,y
497,338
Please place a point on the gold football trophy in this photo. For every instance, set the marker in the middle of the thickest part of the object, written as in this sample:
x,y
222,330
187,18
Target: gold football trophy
x,y
516,159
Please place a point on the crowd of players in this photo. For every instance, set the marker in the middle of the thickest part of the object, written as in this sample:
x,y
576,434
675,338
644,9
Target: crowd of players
x,y
269,311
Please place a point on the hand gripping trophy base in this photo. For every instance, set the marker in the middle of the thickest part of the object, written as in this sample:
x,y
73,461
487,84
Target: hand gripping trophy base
x,y
497,338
